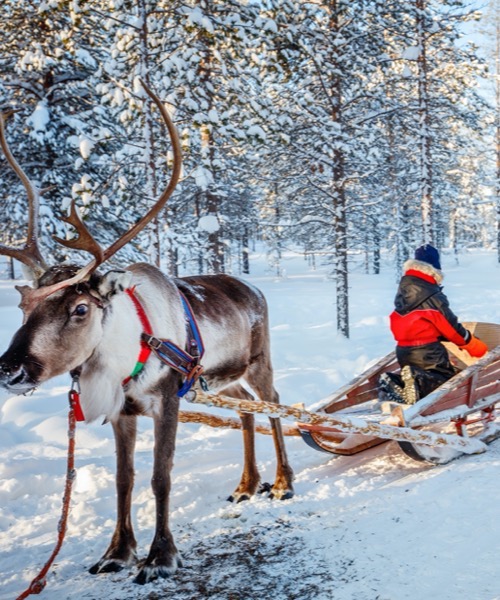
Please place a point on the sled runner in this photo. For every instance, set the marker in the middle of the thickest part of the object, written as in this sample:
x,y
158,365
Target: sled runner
x,y
455,419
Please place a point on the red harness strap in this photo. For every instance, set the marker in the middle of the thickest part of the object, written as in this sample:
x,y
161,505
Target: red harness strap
x,y
145,350
186,362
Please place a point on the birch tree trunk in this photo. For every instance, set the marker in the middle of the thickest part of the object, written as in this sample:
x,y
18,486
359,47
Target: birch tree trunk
x,y
497,137
426,190
149,136
339,197
215,249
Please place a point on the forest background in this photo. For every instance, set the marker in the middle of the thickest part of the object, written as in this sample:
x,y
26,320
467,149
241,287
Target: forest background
x,y
342,130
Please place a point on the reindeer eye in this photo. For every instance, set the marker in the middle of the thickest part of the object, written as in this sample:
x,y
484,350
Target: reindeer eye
x,y
81,310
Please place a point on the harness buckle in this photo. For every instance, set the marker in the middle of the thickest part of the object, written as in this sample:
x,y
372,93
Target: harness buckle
x,y
194,349
152,341
75,383
190,380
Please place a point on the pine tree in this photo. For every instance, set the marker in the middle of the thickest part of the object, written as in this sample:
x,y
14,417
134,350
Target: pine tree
x,y
212,75
490,30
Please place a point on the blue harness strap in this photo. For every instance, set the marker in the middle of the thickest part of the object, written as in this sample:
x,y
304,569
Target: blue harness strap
x,y
195,343
186,362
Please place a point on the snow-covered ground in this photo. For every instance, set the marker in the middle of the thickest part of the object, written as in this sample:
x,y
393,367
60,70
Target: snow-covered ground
x,y
375,526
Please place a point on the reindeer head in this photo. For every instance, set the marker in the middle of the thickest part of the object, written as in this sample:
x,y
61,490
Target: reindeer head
x,y
63,312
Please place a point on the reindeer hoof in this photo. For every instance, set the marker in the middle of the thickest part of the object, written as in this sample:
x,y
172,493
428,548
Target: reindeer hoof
x,y
150,573
107,566
281,494
238,497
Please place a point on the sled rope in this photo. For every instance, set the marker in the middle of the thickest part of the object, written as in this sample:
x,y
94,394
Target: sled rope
x,y
39,582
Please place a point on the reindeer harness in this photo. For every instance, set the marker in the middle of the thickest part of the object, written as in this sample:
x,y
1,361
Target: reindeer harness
x,y
185,362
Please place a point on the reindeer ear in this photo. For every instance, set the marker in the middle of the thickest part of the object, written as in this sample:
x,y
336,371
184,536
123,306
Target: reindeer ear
x,y
114,282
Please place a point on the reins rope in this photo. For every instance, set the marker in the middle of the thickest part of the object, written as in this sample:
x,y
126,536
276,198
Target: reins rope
x,y
39,582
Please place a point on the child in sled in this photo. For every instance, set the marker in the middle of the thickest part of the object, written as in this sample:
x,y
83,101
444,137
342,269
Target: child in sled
x,y
422,318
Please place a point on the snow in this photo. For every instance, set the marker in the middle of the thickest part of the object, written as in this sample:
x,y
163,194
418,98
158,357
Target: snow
x,y
377,525
209,223
40,117
203,177
411,53
86,146
407,72
85,58
196,17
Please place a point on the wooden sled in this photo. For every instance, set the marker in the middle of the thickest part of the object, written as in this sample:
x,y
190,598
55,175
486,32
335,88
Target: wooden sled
x,y
458,418
464,406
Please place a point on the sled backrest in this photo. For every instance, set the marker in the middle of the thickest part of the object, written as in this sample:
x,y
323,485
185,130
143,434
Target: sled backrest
x,y
489,333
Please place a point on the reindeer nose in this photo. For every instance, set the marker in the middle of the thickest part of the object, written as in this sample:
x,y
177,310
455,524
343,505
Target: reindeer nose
x,y
12,375
18,376
5,370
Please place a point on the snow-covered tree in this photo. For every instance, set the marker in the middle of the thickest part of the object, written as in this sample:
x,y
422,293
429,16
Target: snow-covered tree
x,y
324,59
212,77
44,76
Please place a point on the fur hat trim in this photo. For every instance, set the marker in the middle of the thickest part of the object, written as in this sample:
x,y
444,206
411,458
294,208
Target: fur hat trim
x,y
424,267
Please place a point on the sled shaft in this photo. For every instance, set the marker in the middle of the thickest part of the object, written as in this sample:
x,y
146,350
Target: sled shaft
x,y
345,424
186,416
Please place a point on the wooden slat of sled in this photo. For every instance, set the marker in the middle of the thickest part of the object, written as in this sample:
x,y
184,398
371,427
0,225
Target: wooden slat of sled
x,y
487,382
456,397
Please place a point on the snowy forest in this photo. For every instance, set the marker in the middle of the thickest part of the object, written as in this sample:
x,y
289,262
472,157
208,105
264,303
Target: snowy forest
x,y
342,130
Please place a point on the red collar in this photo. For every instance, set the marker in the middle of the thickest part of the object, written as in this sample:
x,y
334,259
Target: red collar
x,y
424,276
145,350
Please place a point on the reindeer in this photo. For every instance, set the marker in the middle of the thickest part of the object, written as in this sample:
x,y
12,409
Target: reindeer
x,y
89,323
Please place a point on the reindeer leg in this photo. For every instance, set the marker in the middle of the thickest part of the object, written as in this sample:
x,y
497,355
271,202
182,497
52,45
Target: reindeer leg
x,y
282,488
250,476
163,558
121,552
260,378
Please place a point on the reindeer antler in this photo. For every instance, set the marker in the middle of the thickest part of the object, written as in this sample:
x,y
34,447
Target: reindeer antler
x,y
85,241
30,254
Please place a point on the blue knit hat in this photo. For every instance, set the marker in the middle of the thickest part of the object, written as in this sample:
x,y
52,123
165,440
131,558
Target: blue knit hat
x,y
428,254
